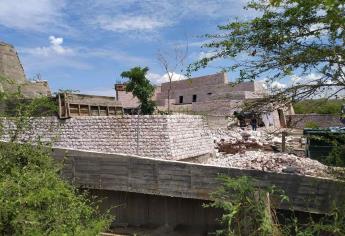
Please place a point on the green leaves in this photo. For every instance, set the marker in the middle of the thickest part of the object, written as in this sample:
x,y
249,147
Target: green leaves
x,y
248,210
141,88
244,206
288,37
35,201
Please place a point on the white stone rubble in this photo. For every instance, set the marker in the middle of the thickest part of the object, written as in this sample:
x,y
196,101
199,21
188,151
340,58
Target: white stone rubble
x,y
272,162
260,159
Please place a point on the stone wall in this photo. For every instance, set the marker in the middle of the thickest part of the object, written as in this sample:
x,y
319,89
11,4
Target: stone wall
x,y
172,137
323,121
10,66
217,122
13,76
217,107
127,99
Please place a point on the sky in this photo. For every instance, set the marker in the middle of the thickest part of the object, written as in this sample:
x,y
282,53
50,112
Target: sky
x,y
85,44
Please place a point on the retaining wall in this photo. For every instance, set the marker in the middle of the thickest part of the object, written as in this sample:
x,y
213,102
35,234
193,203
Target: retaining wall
x,y
167,137
129,173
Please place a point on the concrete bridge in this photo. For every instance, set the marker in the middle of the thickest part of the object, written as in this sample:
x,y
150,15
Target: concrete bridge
x,y
155,192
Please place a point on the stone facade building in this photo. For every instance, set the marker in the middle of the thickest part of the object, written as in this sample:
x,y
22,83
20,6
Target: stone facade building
x,y
207,94
211,95
13,77
207,88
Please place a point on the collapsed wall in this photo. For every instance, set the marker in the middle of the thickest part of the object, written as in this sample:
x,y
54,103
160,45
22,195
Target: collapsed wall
x,y
172,137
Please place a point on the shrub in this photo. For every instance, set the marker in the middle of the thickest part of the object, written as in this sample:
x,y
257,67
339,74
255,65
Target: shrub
x,y
34,200
318,106
312,125
247,210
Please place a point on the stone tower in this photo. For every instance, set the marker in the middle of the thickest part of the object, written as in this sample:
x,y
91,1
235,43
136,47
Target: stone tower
x,y
12,76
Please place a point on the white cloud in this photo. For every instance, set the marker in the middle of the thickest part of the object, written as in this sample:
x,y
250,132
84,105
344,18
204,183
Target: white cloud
x,y
129,23
56,55
295,79
159,79
206,55
31,14
310,78
54,49
137,15
277,85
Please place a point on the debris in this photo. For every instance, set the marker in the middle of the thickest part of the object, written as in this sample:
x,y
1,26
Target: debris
x,y
260,150
272,162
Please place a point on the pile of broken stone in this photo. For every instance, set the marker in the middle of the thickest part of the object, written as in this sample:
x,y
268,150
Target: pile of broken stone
x,y
259,150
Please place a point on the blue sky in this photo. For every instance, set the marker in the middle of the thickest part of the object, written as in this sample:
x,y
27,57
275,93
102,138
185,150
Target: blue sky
x,y
85,45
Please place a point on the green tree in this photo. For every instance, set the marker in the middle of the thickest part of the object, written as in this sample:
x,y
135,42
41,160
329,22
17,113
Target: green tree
x,y
287,37
141,87
34,200
319,106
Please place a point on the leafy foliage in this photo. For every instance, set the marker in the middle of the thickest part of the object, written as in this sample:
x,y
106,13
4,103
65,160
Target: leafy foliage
x,y
287,37
245,208
312,125
337,156
34,200
318,106
141,87
248,211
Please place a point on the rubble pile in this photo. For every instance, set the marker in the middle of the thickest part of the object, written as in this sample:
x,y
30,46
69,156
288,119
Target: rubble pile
x,y
260,150
238,140
272,162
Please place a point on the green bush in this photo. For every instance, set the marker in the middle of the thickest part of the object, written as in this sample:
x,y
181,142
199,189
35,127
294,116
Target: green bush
x,y
318,106
34,200
247,210
336,157
311,124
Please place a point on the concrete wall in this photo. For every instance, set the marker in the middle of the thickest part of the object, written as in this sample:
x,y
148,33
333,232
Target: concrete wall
x,y
32,89
168,137
127,99
197,82
188,180
135,209
217,107
208,88
323,121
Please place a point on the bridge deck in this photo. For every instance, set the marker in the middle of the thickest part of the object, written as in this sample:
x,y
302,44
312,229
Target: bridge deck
x,y
188,180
